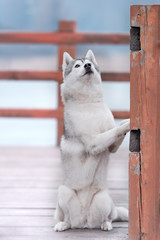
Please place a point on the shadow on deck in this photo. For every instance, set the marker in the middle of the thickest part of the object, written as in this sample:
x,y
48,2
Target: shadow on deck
x,y
29,179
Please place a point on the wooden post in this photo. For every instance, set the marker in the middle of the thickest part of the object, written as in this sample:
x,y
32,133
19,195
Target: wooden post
x,y
64,26
144,169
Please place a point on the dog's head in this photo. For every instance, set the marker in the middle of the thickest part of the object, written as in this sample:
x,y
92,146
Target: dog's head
x,y
81,68
81,77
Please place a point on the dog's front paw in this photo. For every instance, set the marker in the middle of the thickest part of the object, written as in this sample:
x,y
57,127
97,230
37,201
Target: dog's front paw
x,y
106,226
124,126
124,121
61,226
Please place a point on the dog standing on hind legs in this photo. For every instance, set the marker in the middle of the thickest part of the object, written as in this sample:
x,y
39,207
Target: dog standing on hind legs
x,y
90,136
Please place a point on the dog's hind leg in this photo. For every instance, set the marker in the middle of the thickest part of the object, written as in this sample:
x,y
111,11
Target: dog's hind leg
x,y
101,211
69,212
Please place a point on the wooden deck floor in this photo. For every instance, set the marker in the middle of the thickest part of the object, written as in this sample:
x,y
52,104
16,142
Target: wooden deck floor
x,y
29,178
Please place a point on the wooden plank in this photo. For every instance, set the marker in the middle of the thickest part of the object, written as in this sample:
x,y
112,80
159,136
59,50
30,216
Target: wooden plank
x,y
116,77
28,198
42,213
47,233
31,173
8,153
38,183
33,221
51,183
27,231
56,76
47,113
145,115
31,75
135,195
27,221
28,205
45,198
31,164
64,38
121,114
22,174
32,113
27,212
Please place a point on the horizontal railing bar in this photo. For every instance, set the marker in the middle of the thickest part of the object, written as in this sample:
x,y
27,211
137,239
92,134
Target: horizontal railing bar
x,y
32,113
48,113
64,38
31,75
118,76
55,75
121,114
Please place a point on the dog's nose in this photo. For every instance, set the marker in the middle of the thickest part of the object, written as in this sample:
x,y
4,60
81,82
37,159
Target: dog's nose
x,y
87,66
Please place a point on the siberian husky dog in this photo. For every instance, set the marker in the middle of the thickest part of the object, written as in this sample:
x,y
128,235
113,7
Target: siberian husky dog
x,y
90,135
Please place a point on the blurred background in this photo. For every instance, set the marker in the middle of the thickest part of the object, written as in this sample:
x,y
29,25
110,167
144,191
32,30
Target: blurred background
x,y
43,16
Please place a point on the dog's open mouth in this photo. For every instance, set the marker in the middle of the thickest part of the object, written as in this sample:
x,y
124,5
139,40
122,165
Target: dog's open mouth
x,y
88,72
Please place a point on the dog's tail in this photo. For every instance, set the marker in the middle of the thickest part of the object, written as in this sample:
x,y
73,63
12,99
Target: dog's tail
x,y
120,214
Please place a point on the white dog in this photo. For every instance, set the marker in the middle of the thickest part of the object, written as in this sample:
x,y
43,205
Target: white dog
x,y
90,136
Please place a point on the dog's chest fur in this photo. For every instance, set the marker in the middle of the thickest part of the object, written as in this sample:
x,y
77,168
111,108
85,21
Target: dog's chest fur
x,y
82,121
86,120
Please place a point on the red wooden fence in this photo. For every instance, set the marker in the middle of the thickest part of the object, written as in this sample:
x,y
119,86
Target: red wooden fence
x,y
67,38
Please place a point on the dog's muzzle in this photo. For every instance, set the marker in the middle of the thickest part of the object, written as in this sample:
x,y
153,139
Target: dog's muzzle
x,y
88,68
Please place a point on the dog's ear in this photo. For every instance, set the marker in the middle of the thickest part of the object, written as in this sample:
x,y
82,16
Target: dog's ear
x,y
91,57
66,60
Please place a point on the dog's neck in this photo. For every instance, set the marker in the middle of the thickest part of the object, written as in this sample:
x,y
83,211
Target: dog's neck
x,y
88,95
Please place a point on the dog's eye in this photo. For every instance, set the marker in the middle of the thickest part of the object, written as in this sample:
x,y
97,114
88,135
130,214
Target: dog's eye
x,y
77,66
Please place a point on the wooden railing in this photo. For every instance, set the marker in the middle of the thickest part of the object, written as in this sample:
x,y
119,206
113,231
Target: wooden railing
x,y
67,38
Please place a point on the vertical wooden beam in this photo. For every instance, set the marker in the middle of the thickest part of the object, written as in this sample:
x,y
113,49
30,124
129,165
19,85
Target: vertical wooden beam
x,y
144,167
64,26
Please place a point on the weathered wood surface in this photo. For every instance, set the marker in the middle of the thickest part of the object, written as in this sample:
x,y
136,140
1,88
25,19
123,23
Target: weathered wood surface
x,y
32,113
64,38
31,75
115,76
145,115
29,179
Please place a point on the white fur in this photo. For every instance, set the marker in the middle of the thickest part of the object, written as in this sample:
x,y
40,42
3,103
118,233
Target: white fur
x,y
91,134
